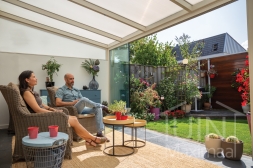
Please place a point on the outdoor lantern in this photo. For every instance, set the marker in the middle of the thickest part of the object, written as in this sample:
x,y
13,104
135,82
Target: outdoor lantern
x,y
185,61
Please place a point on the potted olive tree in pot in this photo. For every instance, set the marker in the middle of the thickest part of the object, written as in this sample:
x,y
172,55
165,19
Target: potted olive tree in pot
x,y
213,143
191,91
119,109
232,148
52,67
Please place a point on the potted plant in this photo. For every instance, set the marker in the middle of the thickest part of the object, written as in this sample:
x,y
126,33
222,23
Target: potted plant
x,y
154,101
213,143
210,90
191,91
241,83
52,68
212,72
92,67
119,109
232,148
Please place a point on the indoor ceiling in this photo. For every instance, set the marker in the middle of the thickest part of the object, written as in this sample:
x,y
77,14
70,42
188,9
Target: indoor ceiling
x,y
105,23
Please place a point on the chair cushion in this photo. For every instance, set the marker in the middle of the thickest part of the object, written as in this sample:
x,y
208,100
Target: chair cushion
x,y
15,87
44,99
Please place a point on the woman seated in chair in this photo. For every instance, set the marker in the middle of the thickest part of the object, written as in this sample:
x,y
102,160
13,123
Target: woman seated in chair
x,y
27,81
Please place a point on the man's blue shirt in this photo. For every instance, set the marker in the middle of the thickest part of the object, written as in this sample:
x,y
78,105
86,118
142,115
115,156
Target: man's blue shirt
x,y
68,95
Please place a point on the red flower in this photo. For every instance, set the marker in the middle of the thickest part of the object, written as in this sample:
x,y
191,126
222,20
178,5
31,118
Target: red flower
x,y
243,79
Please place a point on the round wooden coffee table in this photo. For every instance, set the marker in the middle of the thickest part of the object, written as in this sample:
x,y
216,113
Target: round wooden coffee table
x,y
137,124
111,120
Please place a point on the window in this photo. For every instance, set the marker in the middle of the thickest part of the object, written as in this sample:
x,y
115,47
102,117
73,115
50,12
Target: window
x,y
215,47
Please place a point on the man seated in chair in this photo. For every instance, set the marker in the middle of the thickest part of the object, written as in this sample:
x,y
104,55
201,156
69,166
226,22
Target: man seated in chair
x,y
67,95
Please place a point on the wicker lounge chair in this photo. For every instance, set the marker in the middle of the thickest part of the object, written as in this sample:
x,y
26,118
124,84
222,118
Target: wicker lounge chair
x,y
23,119
88,122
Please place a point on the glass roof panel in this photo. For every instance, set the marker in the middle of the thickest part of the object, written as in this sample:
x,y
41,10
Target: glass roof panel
x,y
193,2
83,15
144,12
21,12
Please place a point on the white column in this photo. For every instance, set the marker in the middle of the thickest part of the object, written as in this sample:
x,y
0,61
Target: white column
x,y
249,7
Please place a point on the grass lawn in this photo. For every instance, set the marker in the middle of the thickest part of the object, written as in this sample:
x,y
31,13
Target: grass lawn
x,y
196,129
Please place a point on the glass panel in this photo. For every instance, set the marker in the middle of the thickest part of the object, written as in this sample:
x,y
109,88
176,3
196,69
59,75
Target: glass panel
x,y
119,74
21,12
83,15
193,2
144,12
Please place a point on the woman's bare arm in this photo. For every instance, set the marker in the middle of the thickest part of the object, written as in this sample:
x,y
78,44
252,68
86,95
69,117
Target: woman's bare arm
x,y
31,101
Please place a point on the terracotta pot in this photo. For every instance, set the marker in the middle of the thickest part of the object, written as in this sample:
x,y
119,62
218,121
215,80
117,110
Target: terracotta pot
x,y
232,151
213,146
186,108
207,105
211,75
202,74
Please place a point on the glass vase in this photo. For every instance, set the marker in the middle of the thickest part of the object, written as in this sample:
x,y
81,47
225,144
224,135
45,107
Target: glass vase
x,y
93,85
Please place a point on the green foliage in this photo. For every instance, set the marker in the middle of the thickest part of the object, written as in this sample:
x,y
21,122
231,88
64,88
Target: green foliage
x,y
91,66
145,116
148,51
136,85
213,136
190,86
142,97
190,50
232,139
52,68
167,88
117,106
211,90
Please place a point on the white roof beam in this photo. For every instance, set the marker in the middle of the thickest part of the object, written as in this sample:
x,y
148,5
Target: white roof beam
x,y
51,29
109,14
183,4
179,17
62,19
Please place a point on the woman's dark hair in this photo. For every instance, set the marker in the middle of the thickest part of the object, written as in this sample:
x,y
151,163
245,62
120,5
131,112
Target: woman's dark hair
x,y
23,85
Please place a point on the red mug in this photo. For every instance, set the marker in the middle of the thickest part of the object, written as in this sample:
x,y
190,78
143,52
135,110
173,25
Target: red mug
x,y
118,115
53,130
33,132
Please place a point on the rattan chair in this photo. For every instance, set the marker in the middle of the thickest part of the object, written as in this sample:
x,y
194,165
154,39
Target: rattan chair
x,y
88,122
22,119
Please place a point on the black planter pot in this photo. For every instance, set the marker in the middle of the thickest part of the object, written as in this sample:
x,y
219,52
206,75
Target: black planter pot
x,y
49,84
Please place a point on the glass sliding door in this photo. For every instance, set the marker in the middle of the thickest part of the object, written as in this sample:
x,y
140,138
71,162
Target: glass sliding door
x,y
119,74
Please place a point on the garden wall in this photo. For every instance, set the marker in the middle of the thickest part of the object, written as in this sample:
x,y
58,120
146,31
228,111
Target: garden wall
x,y
224,93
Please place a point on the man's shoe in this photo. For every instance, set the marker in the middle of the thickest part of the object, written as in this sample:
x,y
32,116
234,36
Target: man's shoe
x,y
102,135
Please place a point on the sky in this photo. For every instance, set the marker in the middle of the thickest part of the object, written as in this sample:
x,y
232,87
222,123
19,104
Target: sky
x,y
231,19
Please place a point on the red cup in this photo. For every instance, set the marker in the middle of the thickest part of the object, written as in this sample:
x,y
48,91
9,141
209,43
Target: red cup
x,y
118,115
33,132
53,130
